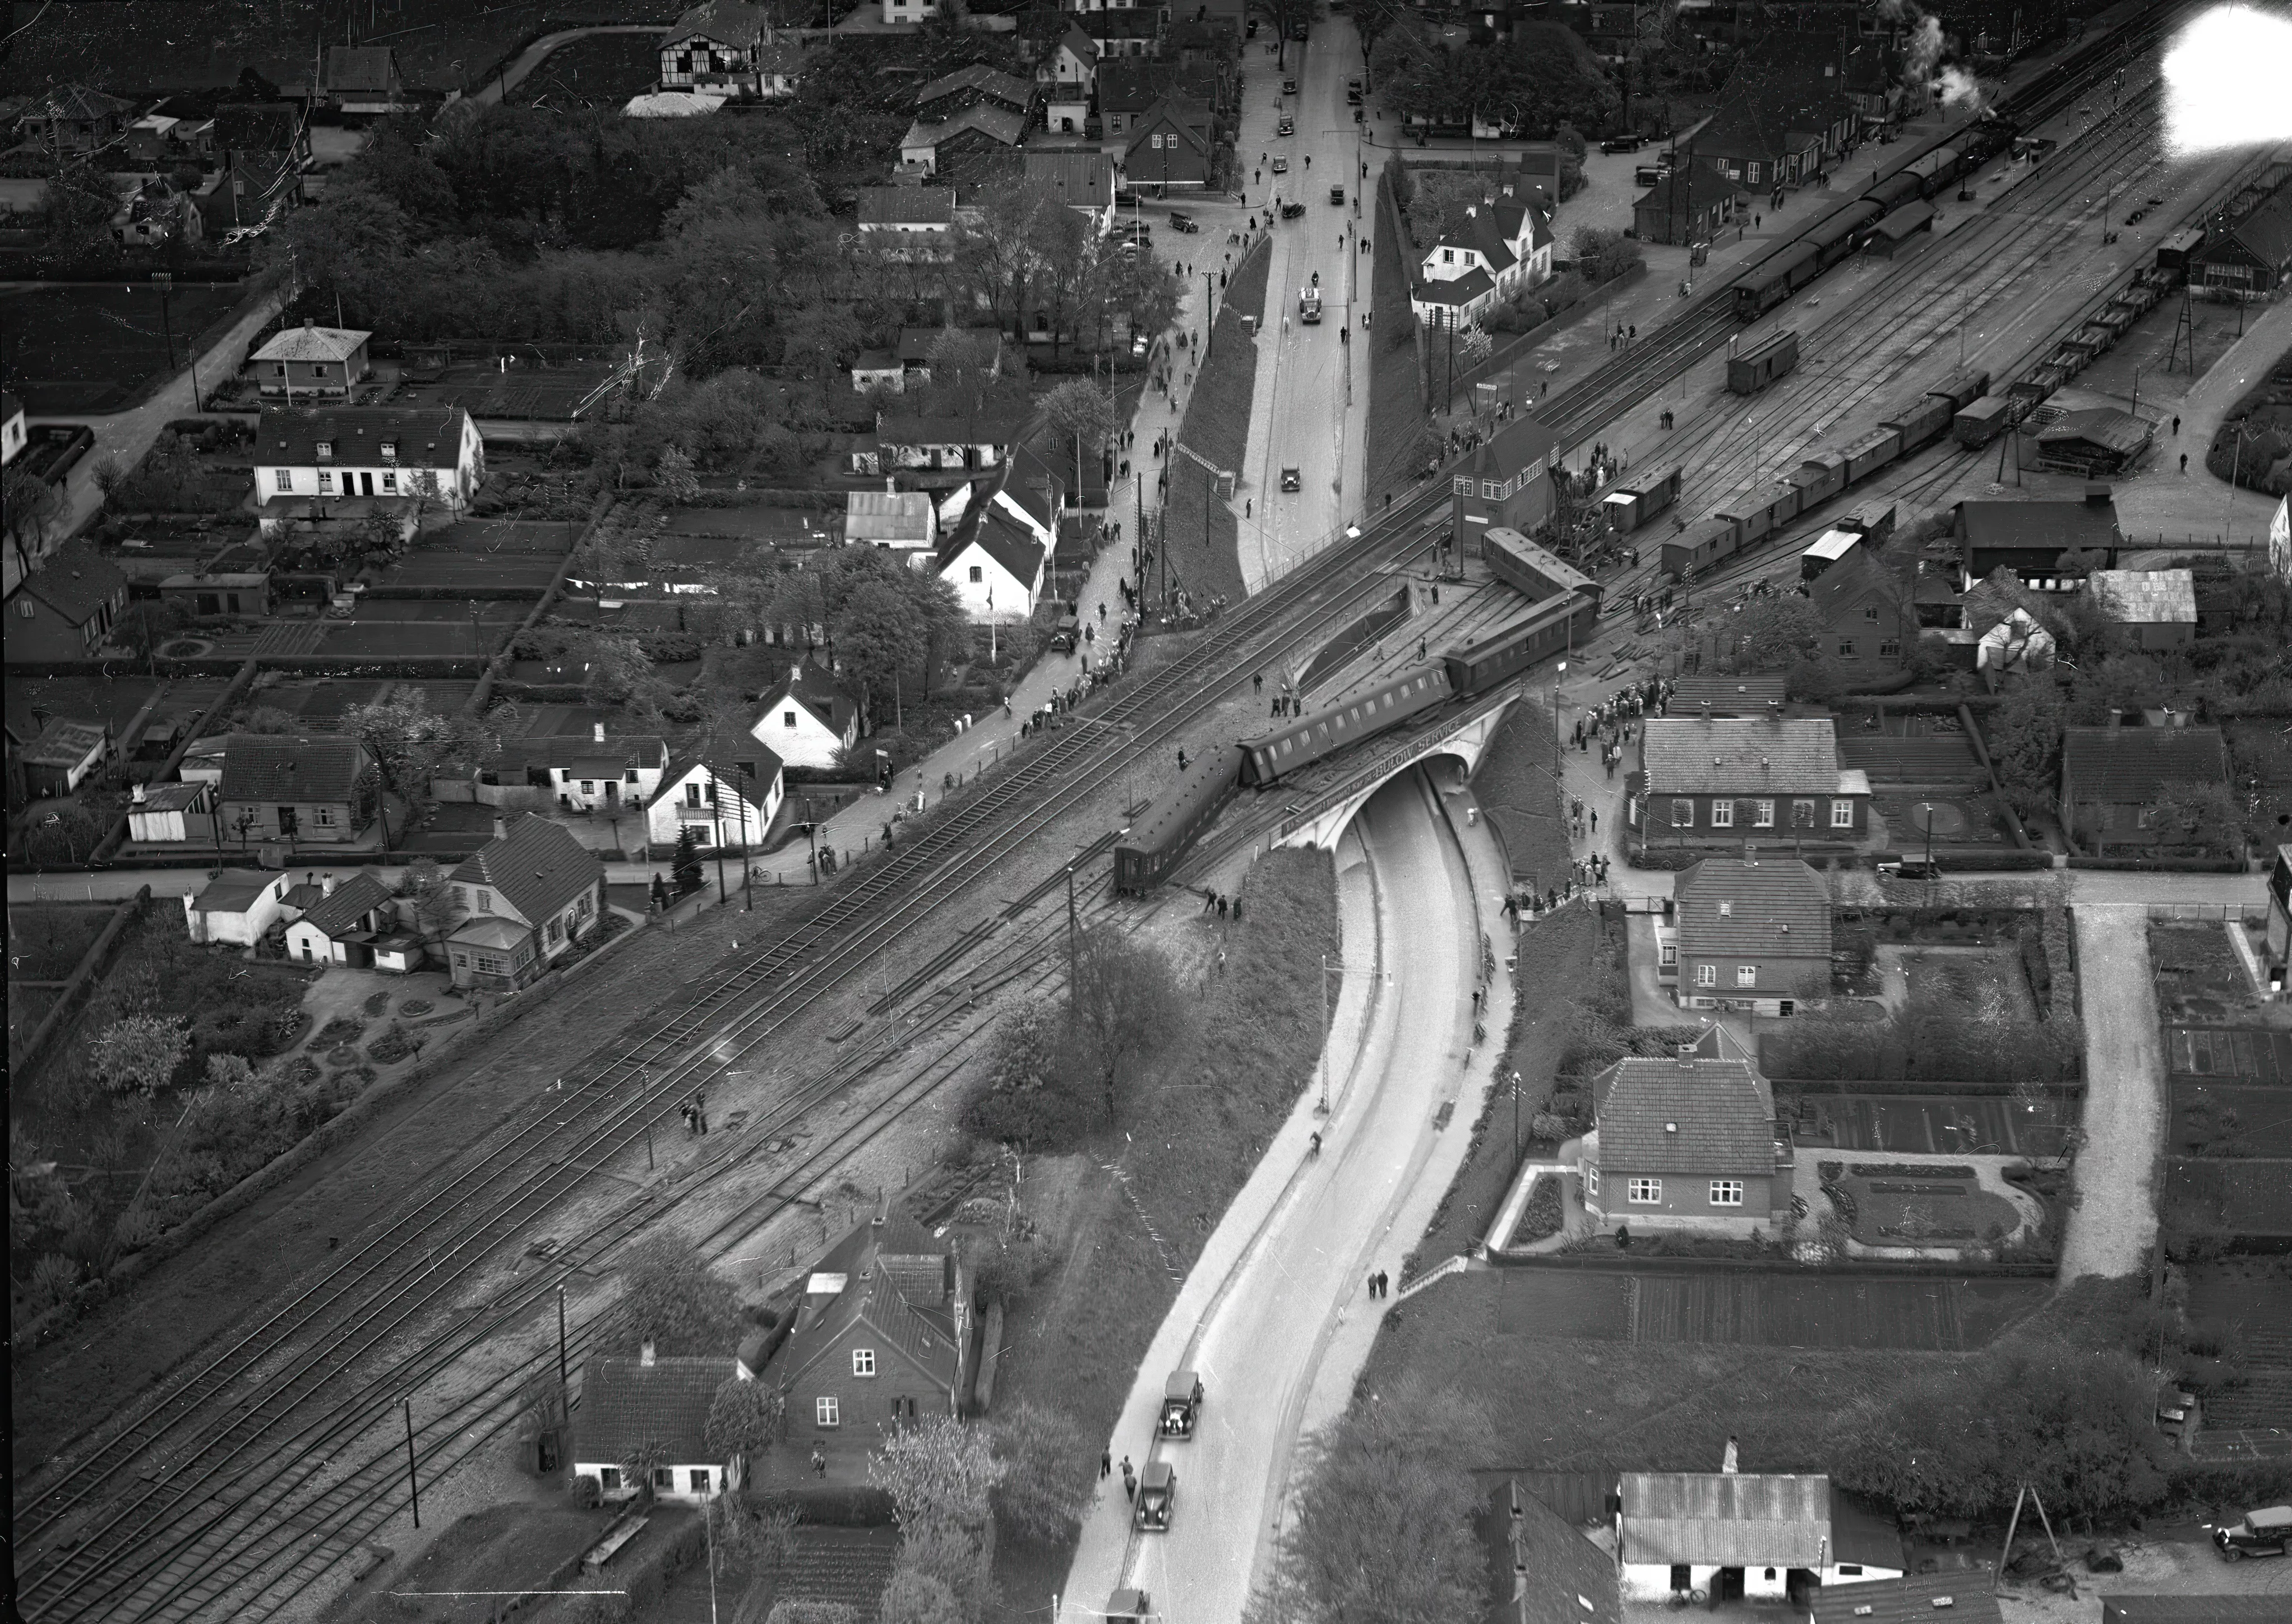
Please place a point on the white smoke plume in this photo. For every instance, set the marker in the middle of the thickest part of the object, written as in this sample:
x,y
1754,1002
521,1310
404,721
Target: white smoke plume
x,y
1959,89
1924,53
1894,10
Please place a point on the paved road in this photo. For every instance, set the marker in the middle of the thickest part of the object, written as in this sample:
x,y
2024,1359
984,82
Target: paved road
x,y
1274,1314
1312,401
2115,1220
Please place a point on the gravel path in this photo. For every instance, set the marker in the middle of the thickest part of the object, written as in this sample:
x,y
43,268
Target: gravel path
x,y
2116,1217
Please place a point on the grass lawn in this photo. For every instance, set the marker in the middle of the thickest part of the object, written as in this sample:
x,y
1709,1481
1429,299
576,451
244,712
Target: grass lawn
x,y
90,346
2198,972
2260,757
1399,444
1189,1136
1519,798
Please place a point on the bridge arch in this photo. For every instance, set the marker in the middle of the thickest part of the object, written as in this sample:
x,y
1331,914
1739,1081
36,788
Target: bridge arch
x,y
1323,820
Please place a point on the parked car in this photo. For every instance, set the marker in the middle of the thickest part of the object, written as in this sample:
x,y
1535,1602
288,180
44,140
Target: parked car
x,y
1289,87
1069,633
1289,483
1291,211
1623,143
1280,164
1337,195
1352,98
1352,87
1287,126
2265,1533
1183,222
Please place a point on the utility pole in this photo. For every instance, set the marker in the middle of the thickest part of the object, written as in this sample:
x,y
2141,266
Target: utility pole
x,y
413,1482
564,1390
1074,938
716,818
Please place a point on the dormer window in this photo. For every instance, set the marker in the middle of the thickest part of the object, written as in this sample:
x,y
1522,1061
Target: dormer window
x,y
326,448
390,448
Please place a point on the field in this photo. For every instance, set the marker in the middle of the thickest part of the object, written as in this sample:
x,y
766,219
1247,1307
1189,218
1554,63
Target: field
x,y
603,70
89,348
1936,1124
2241,1198
548,393
2243,1308
1739,1307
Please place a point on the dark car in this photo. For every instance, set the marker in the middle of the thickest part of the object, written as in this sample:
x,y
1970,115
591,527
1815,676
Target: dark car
x,y
1337,195
1068,634
2265,1533
1183,222
1289,479
1352,98
1623,143
1289,87
1290,211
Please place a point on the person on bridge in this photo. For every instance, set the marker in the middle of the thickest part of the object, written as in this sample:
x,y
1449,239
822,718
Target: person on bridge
x,y
1308,160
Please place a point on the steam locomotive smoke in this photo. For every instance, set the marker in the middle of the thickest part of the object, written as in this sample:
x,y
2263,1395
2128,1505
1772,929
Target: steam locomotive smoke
x,y
2224,80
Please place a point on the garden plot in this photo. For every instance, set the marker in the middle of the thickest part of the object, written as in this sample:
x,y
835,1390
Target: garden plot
x,y
473,572
1974,984
1920,1204
490,537
802,526
381,639
2197,972
2260,756
89,347
1745,1307
1932,1124
1958,819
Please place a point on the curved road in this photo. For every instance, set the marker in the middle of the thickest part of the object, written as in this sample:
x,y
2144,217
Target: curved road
x,y
1274,1315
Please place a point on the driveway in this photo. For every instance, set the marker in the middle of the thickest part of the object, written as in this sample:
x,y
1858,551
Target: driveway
x,y
2115,1216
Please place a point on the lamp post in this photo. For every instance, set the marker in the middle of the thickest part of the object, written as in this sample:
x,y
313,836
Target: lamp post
x,y
1558,671
1321,1106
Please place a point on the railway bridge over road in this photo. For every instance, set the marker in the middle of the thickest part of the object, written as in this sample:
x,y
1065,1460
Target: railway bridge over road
x,y
1321,820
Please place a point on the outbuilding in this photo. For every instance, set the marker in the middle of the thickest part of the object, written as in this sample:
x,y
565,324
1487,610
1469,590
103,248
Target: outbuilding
x,y
1744,1535
169,812
355,923
237,906
2157,608
63,757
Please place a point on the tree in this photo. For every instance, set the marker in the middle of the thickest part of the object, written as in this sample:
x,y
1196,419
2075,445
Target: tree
x,y
675,1300
685,863
2199,813
32,503
644,1461
1035,1093
230,1074
1775,633
915,1597
744,1419
1124,1003
140,1052
2024,735
1602,256
410,744
951,1554
1046,1483
674,476
1383,1529
1082,412
940,1470
427,898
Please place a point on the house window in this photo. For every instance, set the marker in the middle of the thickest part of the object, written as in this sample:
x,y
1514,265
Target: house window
x,y
461,959
1683,813
1646,1192
664,1478
390,448
1591,1181
1729,1193
556,931
1762,814
588,786
1726,910
325,483
1706,975
1854,1568
787,718
1801,815
692,794
827,1412
1846,648
1751,174
461,898
1746,974
485,902
1870,613
389,482
1841,814
2142,815
863,1362
326,448
699,1480
1723,814
283,477
280,369
325,816
977,574
1889,648
1447,256
1462,485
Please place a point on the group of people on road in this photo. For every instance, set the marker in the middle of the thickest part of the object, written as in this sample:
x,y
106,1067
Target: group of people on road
x,y
696,1114
1221,904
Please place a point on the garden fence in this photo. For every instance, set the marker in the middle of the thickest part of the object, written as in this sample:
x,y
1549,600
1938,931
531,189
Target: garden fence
x,y
2239,913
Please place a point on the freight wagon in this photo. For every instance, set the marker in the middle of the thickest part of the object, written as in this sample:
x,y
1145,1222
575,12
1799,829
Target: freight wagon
x,y
1978,424
1873,520
1755,510
1871,453
1819,478
1963,387
1762,364
1920,423
1528,569
1697,549
1162,834
1627,507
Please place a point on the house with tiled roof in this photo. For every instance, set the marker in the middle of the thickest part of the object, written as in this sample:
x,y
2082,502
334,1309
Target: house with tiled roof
x,y
726,49
363,79
654,1406
906,208
354,922
977,85
881,1339
997,563
1702,1531
1871,617
1173,143
1681,208
2157,608
65,609
1066,75
1500,248
932,146
525,896
2112,779
1126,88
63,756
975,442
1504,482
596,773
314,361
1542,1569
390,452
1757,778
727,791
74,118
1081,180
809,719
1685,1142
311,791
1753,932
1959,1596
2033,539
1771,130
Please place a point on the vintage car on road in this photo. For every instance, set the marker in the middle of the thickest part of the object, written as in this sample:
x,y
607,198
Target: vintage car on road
x,y
2265,1533
1181,1401
1289,479
1158,1486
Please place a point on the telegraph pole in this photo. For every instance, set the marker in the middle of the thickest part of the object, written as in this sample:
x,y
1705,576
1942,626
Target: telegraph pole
x,y
413,1484
1074,941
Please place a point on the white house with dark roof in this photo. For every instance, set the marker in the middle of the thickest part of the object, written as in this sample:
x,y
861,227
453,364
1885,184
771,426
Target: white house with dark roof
x,y
1746,1533
996,562
525,896
592,772
1685,1142
354,922
235,907
728,50
1500,248
906,208
390,452
316,362
652,1402
1066,74
733,784
1754,932
809,719
169,813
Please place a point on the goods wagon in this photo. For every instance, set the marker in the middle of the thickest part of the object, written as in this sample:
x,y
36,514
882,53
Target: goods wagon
x,y
1162,834
1699,548
1921,423
1819,478
1361,714
1627,507
1982,422
1963,387
1757,509
1872,453
1554,628
1896,190
1528,568
1762,364
1874,520
1767,285
2173,253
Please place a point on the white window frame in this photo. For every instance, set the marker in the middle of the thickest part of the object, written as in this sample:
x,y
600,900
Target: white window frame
x,y
1644,1191
697,1480
1726,1192
1722,813
1706,975
1763,815
1842,813
325,483
1746,974
283,477
863,1362
826,1411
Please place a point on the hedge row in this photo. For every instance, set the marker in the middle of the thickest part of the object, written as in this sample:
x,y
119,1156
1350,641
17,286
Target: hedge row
x,y
2172,866
829,1505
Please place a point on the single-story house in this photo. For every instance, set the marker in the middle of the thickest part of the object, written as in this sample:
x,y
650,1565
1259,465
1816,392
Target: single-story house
x,y
65,608
2113,777
1753,931
931,144
2157,608
1959,1598
1542,1569
907,209
975,86
355,922
734,783
878,369
597,773
64,755
311,791
368,451
74,118
809,719
1081,180
974,443
314,361
1757,778
2031,538
1676,211
1745,1534
655,1403
237,906
905,521
529,894
363,79
170,812
1689,1143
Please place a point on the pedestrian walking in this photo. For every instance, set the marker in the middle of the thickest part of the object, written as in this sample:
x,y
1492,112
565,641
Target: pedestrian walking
x,y
1384,1283
1221,907
1209,901
2184,462
1237,910
2176,426
819,1463
1181,759
1105,1465
1372,1282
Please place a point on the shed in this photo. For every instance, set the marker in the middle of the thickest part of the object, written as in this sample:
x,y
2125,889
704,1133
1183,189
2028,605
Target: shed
x,y
165,811
2096,442
1762,364
62,757
236,906
1962,1598
2157,607
2173,253
1896,230
248,593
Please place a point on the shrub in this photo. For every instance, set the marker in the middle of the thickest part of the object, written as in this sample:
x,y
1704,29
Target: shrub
x,y
392,1047
342,1029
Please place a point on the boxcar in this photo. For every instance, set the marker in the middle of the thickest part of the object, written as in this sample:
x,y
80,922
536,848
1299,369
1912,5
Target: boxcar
x,y
1762,364
1921,423
1757,509
1963,387
1701,548
1554,628
1982,422
1361,714
1529,570
2173,253
1768,284
1834,238
1165,831
1819,478
1874,520
1825,550
1896,190
1629,506
1872,453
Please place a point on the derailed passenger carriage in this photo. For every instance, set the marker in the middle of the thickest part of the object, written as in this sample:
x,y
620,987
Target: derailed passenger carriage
x,y
1536,573
1557,625
1159,837
1368,710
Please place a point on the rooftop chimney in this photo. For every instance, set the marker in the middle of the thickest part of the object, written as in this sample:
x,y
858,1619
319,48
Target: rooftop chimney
x,y
308,324
597,732
500,827
326,884
136,794
2097,493
890,486
646,1355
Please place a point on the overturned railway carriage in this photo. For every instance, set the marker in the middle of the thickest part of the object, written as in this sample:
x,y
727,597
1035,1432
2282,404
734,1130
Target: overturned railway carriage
x,y
1165,832
1534,572
1366,711
1557,626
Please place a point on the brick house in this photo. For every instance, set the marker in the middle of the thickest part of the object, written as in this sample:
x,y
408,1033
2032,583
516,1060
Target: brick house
x,y
1689,1143
1173,143
2033,538
1753,931
2111,778
1871,618
1507,481
526,896
318,363
882,1337
655,1403
1757,778
66,608
313,792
